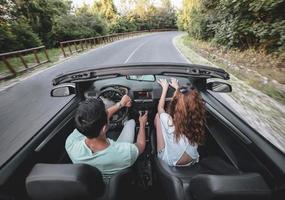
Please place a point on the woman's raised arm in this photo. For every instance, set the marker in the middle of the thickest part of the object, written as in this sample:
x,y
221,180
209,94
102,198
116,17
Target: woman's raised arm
x,y
164,84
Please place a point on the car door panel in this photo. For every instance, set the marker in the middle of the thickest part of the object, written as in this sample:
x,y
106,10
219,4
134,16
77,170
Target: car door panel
x,y
46,146
244,147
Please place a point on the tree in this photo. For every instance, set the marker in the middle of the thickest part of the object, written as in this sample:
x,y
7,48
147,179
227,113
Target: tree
x,y
148,16
184,16
240,24
105,8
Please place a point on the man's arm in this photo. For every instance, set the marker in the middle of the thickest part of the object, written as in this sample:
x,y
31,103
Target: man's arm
x,y
140,143
125,102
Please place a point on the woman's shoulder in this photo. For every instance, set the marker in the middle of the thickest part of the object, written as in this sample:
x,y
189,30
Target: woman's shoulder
x,y
165,117
167,122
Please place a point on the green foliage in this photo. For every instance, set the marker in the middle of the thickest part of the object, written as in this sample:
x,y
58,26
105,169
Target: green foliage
x,y
68,27
7,38
25,35
240,23
146,16
17,35
123,24
184,15
30,23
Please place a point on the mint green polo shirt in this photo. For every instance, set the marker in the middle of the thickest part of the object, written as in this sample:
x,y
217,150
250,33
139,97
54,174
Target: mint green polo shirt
x,y
117,156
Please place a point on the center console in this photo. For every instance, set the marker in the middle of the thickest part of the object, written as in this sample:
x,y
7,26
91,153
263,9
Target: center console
x,y
143,101
143,164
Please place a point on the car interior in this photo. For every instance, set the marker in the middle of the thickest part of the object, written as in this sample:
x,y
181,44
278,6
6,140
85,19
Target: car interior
x,y
235,162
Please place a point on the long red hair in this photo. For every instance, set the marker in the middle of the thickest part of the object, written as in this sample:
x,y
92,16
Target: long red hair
x,y
188,115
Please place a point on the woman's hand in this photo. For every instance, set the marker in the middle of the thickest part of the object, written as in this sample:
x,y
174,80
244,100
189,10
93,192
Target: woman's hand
x,y
174,83
163,83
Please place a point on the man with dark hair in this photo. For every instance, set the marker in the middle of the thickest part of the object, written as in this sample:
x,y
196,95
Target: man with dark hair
x,y
88,143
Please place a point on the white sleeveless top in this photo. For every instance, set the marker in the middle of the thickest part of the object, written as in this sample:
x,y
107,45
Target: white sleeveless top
x,y
173,150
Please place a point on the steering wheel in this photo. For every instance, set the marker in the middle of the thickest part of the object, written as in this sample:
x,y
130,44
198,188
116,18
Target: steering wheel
x,y
110,96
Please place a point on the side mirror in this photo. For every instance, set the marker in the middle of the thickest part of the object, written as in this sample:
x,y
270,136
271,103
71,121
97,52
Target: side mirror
x,y
63,91
219,87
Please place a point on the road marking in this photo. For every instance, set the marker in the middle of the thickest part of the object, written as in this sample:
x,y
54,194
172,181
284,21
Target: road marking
x,y
138,47
12,82
183,56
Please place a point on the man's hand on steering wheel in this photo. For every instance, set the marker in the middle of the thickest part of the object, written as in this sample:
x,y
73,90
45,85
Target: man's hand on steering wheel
x,y
126,101
111,95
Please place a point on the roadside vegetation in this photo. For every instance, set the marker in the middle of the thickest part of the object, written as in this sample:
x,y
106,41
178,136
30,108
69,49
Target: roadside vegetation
x,y
242,24
25,24
53,53
255,106
259,70
247,37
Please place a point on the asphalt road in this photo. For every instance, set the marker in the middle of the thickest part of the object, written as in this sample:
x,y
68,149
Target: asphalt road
x,y
27,106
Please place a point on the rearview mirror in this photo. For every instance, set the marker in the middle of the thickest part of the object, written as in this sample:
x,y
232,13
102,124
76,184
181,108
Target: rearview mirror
x,y
219,87
63,91
149,78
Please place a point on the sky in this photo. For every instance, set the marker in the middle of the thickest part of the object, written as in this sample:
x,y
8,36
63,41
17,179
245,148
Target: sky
x,y
176,3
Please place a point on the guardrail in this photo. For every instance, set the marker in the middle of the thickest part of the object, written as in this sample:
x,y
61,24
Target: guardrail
x,y
5,57
74,46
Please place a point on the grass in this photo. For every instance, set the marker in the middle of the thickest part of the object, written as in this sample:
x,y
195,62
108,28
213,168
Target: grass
x,y
268,65
54,54
16,63
265,73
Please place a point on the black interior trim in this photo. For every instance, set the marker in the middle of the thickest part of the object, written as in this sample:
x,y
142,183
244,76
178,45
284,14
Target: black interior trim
x,y
14,162
261,147
226,150
55,131
250,186
226,122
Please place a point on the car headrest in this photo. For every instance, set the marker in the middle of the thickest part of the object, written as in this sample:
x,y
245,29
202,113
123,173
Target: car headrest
x,y
64,181
250,186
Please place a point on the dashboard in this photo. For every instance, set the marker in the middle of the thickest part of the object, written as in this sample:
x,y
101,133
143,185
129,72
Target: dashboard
x,y
137,90
144,94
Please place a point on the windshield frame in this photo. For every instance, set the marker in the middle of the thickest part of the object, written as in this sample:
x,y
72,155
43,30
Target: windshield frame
x,y
176,69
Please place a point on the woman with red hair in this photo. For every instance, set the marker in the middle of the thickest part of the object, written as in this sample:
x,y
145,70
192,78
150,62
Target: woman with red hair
x,y
181,130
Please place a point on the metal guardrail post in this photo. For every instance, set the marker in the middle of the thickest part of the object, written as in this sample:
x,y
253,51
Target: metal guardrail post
x,y
9,66
86,43
75,45
36,56
23,61
46,53
62,49
69,48
80,42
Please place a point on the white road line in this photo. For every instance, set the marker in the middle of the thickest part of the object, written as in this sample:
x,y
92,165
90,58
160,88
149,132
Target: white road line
x,y
173,43
138,47
13,82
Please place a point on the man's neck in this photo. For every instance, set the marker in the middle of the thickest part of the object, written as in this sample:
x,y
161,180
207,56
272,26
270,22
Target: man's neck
x,y
97,144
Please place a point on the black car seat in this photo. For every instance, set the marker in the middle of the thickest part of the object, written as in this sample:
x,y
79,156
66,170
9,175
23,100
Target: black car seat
x,y
75,181
212,178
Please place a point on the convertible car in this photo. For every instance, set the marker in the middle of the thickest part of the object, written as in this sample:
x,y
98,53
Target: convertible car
x,y
236,162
